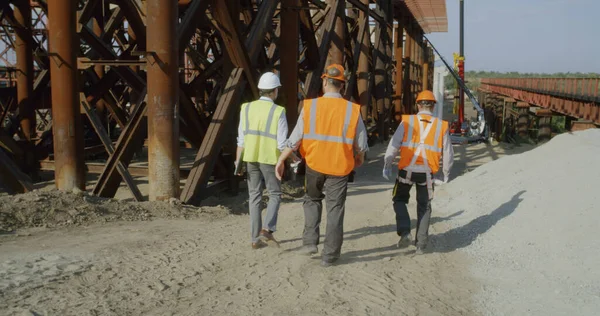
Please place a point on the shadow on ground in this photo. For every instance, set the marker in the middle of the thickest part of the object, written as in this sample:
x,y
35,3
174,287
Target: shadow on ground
x,y
464,236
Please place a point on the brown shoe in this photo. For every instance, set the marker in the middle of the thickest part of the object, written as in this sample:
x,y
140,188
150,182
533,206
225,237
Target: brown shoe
x,y
259,244
266,235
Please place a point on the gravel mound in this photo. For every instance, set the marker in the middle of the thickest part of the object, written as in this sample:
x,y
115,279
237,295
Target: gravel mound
x,y
56,209
530,223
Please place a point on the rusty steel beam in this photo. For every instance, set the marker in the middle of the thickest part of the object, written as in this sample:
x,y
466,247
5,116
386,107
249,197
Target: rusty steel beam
x,y
98,168
99,92
363,6
209,150
130,141
569,96
136,23
163,109
25,74
193,14
356,55
105,139
290,20
232,38
307,33
336,52
363,64
398,54
425,79
66,118
313,79
106,52
205,158
98,29
13,179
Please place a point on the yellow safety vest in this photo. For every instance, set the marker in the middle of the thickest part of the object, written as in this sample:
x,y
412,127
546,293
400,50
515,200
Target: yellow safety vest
x,y
260,120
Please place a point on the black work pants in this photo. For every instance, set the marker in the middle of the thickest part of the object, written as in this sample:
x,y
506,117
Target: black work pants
x,y
401,197
335,188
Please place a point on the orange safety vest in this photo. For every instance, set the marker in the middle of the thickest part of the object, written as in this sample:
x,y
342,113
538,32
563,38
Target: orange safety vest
x,y
329,130
423,141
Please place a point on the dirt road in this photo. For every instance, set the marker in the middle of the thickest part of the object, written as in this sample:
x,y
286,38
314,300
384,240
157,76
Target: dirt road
x,y
205,266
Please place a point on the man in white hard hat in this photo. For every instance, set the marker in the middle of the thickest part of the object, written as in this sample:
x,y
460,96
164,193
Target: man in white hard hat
x,y
262,134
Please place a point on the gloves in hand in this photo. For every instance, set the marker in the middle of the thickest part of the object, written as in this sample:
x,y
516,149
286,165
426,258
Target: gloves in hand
x,y
387,172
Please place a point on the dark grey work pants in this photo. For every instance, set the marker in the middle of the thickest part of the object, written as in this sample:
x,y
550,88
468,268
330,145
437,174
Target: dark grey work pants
x,y
335,189
258,175
401,197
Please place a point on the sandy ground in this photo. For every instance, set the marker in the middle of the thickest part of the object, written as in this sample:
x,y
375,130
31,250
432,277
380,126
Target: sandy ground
x,y
529,223
204,264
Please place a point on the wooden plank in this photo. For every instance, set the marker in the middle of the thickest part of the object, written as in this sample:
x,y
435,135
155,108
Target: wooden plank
x,y
105,139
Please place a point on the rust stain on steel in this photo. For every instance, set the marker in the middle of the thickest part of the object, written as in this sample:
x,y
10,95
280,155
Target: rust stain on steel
x,y
574,97
398,53
67,125
25,75
336,52
289,58
363,66
163,89
98,26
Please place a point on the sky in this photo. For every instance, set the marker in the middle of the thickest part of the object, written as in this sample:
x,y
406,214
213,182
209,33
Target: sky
x,y
541,36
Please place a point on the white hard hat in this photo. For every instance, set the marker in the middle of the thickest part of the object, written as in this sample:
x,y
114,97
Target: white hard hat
x,y
268,81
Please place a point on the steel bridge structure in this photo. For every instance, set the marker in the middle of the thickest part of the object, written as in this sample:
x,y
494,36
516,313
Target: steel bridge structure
x,y
86,78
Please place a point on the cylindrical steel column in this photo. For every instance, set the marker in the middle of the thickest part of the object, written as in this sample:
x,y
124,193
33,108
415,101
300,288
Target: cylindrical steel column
x,y
66,118
336,52
163,108
24,50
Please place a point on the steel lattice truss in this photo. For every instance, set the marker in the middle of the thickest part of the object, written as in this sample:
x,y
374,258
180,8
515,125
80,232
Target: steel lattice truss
x,y
223,46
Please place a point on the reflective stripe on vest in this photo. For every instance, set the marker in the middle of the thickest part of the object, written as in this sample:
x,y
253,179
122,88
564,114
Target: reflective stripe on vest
x,y
312,134
410,144
265,133
260,131
421,149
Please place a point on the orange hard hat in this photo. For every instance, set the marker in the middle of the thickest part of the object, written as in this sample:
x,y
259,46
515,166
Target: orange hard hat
x,y
334,71
426,95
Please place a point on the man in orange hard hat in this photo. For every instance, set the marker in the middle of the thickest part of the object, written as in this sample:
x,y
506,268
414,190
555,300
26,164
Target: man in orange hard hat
x,y
421,140
332,138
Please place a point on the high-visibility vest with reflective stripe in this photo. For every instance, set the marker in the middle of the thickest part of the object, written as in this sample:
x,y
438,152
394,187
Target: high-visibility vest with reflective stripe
x,y
259,121
431,147
329,130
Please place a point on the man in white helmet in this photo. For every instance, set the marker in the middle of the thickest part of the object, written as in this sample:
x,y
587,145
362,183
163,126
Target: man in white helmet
x,y
262,134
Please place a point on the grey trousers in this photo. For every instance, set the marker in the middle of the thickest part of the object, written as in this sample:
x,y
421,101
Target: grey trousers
x,y
335,189
401,197
258,175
